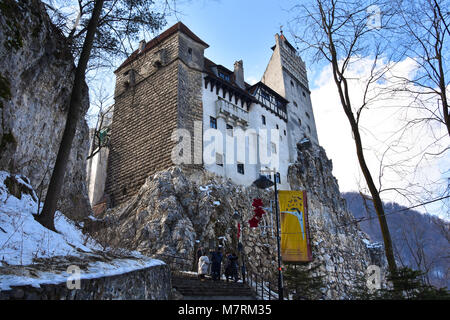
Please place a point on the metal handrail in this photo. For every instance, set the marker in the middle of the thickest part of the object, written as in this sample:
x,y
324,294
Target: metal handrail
x,y
263,289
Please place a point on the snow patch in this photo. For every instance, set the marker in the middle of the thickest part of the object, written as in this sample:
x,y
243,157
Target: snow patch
x,y
23,239
372,245
94,270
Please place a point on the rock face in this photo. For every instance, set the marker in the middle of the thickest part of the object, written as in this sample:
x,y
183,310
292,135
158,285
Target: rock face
x,y
176,211
36,75
180,209
341,249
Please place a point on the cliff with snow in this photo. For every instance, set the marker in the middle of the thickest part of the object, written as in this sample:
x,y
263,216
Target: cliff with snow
x,y
36,75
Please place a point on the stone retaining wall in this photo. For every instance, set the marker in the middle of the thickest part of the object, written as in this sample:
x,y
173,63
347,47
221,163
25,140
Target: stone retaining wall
x,y
152,283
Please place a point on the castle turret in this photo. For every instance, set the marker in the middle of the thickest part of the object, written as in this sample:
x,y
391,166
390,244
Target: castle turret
x,y
158,90
286,74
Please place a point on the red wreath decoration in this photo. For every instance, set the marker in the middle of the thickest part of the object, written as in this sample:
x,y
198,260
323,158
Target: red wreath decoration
x,y
259,211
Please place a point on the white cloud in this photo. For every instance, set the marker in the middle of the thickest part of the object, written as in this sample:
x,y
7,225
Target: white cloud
x,y
251,80
380,124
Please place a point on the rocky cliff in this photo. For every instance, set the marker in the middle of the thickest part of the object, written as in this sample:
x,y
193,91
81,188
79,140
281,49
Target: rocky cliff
x,y
36,76
180,209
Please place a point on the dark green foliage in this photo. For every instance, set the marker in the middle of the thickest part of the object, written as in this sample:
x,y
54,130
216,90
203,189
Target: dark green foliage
x,y
360,291
7,138
409,286
302,283
10,11
5,90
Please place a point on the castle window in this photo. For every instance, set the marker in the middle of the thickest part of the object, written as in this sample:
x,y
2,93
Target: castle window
x,y
213,122
240,168
309,128
230,130
265,95
299,121
284,132
279,104
304,94
292,83
278,127
219,159
263,118
295,104
131,78
274,147
190,51
224,76
307,114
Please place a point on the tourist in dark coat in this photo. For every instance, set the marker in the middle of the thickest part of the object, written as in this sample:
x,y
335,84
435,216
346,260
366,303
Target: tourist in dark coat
x,y
200,252
231,270
216,263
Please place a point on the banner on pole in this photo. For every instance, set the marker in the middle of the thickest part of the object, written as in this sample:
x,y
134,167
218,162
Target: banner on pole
x,y
295,246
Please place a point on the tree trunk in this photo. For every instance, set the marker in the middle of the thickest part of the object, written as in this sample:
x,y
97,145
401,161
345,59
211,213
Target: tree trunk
x,y
46,218
342,86
378,204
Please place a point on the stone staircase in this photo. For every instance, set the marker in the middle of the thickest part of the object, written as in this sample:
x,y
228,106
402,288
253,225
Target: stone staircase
x,y
192,288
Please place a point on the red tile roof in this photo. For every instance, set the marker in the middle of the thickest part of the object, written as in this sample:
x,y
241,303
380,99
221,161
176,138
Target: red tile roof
x,y
178,27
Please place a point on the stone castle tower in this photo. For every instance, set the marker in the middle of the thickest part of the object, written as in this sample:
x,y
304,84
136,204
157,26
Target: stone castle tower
x,y
158,89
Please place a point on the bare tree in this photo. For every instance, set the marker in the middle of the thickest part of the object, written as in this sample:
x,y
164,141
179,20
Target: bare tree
x,y
46,218
338,32
424,32
100,28
421,32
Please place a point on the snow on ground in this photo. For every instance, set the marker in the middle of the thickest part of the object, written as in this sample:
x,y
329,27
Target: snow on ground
x,y
23,240
95,269
206,189
372,245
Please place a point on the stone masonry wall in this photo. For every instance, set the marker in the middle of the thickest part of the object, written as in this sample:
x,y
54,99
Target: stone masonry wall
x,y
152,283
146,114
144,117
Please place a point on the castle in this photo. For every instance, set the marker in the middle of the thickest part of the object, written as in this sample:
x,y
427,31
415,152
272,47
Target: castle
x,y
175,106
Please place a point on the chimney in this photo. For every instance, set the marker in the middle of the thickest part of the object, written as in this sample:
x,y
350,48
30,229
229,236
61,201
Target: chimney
x,y
141,45
239,74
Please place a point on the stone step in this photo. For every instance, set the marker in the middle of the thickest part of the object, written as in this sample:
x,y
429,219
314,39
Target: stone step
x,y
212,290
192,287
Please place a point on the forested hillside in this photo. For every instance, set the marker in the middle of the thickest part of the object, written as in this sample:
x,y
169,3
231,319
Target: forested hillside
x,y
421,241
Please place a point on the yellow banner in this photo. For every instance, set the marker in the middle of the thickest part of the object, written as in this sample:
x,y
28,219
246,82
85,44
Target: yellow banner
x,y
294,226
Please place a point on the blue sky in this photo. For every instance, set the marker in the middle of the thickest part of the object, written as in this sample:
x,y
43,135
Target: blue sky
x,y
236,29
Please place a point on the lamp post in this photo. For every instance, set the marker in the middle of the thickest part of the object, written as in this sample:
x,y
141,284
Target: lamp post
x,y
237,217
263,183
